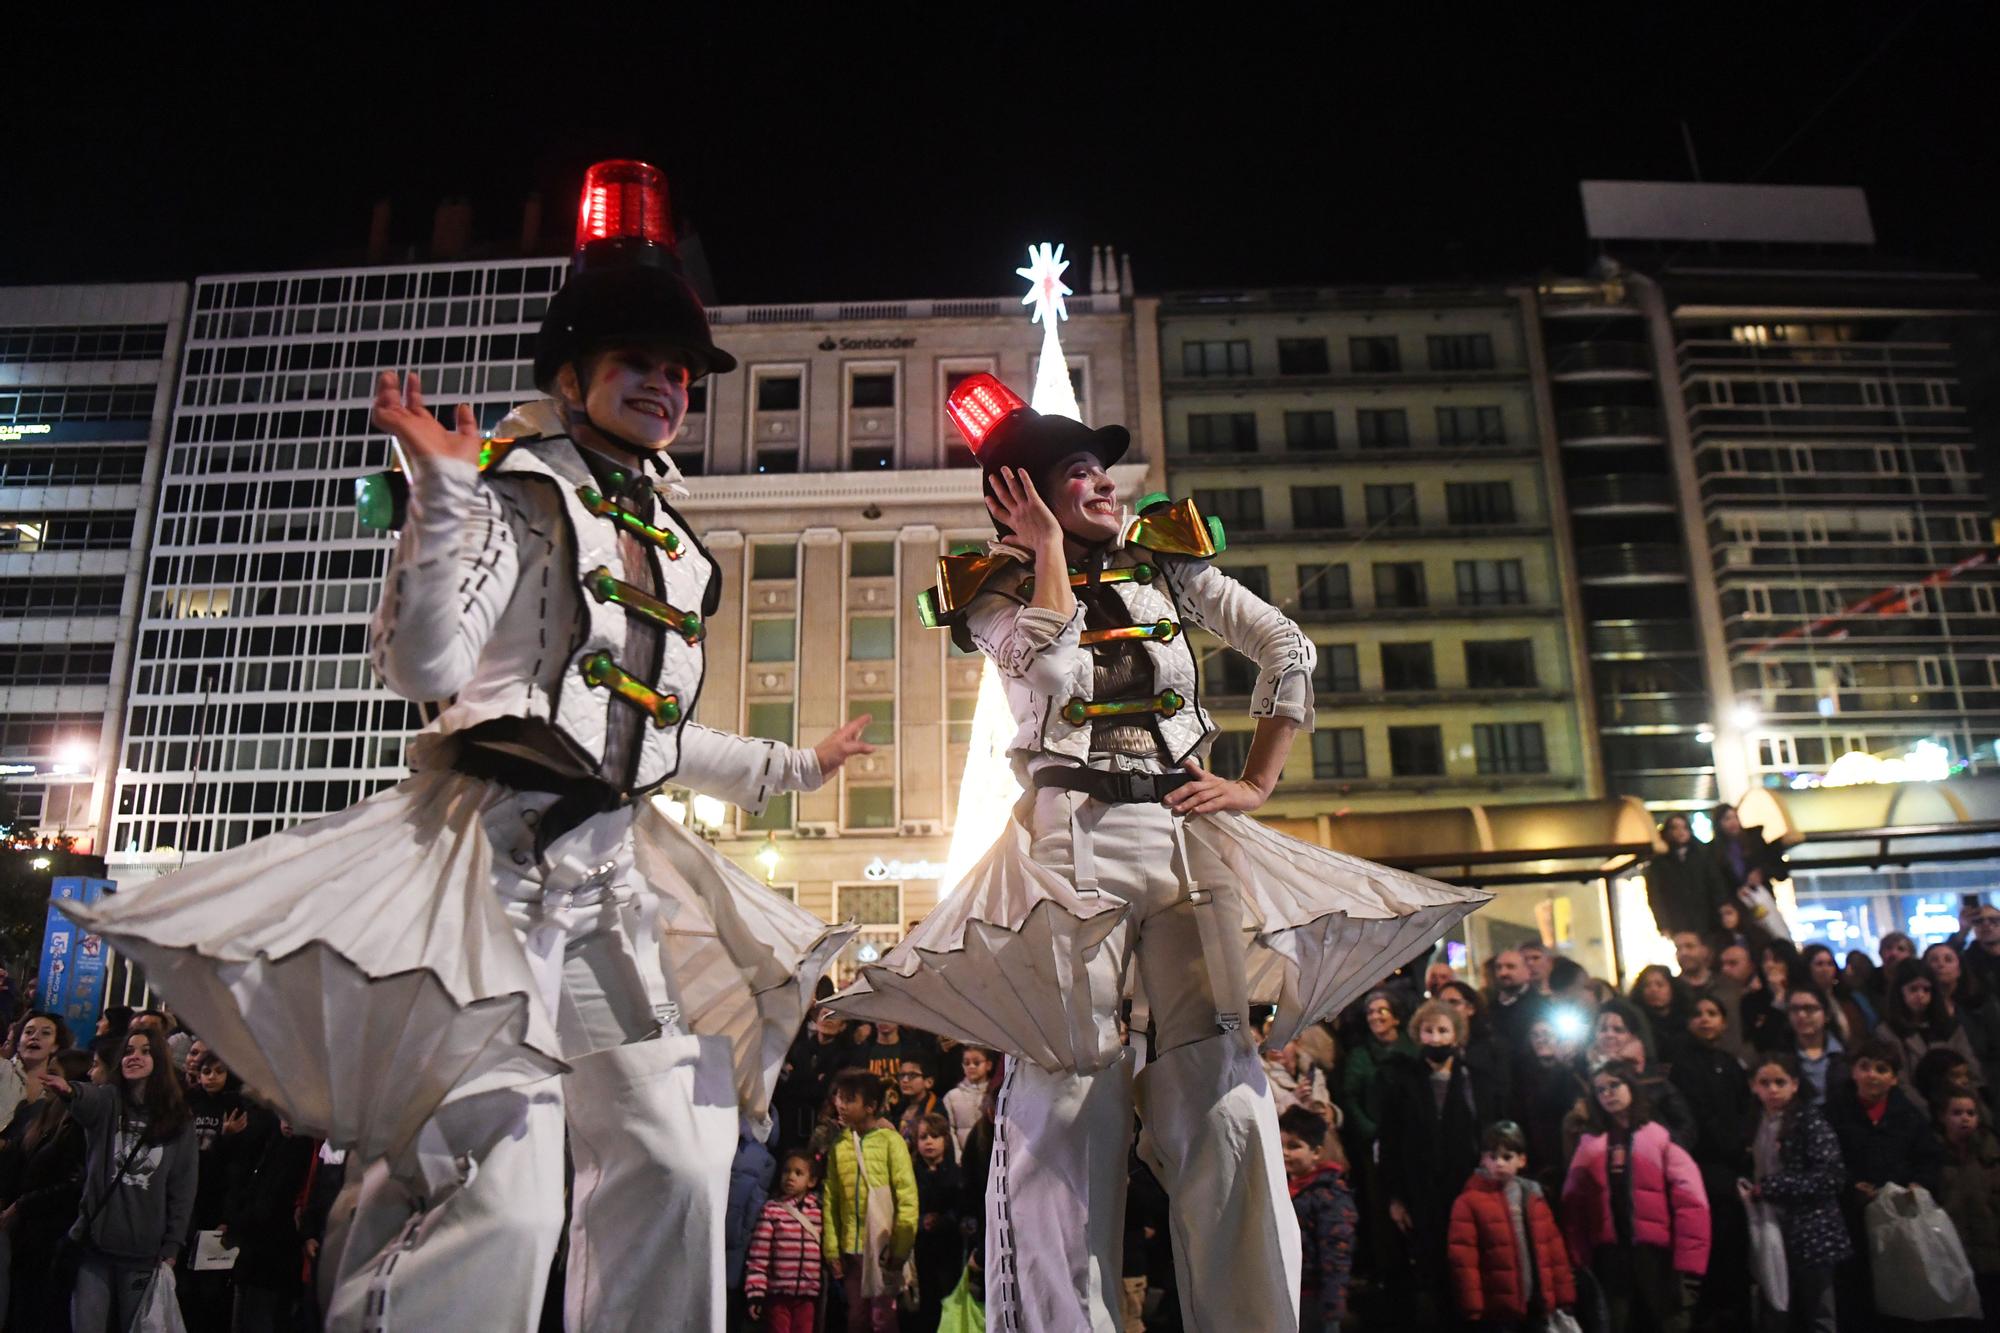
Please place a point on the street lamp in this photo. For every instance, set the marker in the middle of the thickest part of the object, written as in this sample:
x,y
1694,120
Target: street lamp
x,y
767,856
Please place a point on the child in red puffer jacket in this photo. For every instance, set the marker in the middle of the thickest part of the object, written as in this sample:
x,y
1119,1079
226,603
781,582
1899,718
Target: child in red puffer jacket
x,y
1508,1262
781,1274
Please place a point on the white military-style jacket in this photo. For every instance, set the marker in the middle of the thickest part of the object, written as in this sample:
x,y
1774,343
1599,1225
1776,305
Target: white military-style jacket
x,y
1049,669
505,595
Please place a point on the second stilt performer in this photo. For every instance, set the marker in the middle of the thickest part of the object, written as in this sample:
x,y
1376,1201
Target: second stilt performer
x,y
1131,873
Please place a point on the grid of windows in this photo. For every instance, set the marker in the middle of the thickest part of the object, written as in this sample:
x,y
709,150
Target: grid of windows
x,y
1416,752
1374,355
1240,508
1399,584
1325,588
1229,753
1461,351
1228,672
1391,506
44,735
1303,356
61,595
1490,583
1509,747
57,664
1219,356
1222,432
1408,666
1505,664
66,532
1382,427
99,465
45,344
1470,427
96,402
1310,430
1318,507
261,584
1478,502
1339,752
1337,669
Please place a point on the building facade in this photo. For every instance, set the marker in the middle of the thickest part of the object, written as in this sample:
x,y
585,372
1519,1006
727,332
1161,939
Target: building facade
x,y
1383,466
86,390
824,478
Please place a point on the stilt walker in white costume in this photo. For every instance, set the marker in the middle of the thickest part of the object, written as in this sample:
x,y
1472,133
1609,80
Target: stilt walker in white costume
x,y
1129,871
516,940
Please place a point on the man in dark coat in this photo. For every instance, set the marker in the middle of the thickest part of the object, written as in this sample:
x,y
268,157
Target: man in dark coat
x,y
1743,854
819,1053
1684,885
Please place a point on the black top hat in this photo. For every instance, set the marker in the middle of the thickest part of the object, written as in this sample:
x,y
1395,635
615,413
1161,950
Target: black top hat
x,y
625,284
1002,431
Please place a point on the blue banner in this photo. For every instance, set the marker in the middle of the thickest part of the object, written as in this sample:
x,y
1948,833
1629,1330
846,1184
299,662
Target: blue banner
x,y
73,963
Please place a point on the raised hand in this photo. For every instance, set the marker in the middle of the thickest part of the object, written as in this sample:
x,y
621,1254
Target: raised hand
x,y
400,410
842,744
1211,793
1017,503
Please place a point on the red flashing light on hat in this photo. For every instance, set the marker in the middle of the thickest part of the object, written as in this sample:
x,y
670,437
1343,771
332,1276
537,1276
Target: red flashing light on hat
x,y
624,202
978,404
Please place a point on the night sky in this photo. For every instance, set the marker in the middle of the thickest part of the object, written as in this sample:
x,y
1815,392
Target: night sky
x,y
886,152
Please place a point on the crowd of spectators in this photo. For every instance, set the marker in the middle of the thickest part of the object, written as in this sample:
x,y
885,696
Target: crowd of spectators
x,y
1500,1150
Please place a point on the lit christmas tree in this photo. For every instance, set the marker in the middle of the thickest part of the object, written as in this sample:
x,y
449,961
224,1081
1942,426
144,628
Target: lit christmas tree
x,y
987,792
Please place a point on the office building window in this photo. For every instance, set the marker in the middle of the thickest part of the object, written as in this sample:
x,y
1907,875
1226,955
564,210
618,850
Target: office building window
x,y
1470,427
871,560
1325,588
1316,507
871,807
778,393
1240,508
873,457
778,460
1408,666
1461,351
1230,751
1376,355
1336,669
768,721
772,561
773,639
1392,506
1339,752
1254,577
1222,432
1215,357
875,389
871,638
1228,672
1503,664
1490,583
958,711
1416,752
881,714
1400,583
1308,431
1303,356
1509,747
1382,427
1478,502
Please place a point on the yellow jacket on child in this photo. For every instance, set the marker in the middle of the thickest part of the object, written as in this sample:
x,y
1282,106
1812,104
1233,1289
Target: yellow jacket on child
x,y
886,1161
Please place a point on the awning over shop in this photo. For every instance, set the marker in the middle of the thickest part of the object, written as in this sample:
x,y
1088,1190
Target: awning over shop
x,y
1534,838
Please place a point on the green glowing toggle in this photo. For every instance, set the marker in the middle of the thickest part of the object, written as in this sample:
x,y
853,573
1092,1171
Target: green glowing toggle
x,y
631,522
600,672
607,588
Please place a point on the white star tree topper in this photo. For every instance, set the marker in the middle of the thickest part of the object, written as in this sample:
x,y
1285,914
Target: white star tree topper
x,y
1054,394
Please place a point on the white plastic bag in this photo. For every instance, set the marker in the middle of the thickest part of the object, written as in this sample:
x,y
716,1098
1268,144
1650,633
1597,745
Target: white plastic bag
x,y
1920,1267
1767,1257
161,1312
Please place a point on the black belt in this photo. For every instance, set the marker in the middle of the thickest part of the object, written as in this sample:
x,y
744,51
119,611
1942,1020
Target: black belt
x,y
1115,788
577,798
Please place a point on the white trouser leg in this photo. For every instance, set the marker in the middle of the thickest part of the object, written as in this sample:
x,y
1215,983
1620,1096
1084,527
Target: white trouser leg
x,y
1210,1132
479,1255
652,1133
1055,1202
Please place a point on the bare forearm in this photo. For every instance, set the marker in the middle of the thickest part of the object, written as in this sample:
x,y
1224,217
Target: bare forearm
x,y
1052,592
1268,749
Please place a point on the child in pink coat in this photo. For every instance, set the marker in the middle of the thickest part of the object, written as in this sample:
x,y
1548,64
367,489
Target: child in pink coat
x,y
1634,1209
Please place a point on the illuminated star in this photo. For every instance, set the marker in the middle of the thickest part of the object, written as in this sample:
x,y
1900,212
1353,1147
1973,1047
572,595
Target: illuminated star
x,y
1046,288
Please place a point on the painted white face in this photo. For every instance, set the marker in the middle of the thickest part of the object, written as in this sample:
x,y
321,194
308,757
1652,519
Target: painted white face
x,y
637,393
1083,498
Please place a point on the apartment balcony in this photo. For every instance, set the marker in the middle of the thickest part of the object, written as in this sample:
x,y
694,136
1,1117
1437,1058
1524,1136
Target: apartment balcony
x,y
1610,427
1602,360
1637,562
1632,640
1627,493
